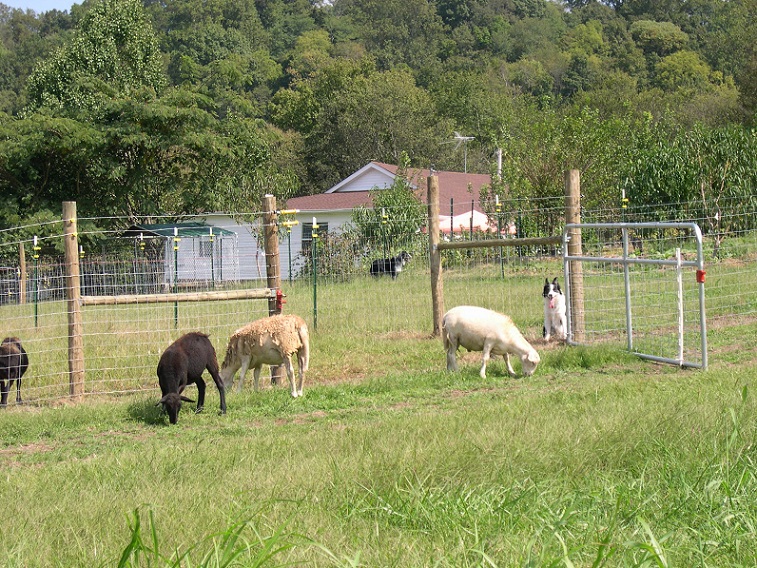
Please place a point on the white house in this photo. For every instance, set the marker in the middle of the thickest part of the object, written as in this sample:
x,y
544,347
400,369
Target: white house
x,y
220,248
459,199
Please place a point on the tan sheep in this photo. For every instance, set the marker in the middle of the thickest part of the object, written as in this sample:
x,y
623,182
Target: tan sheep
x,y
268,341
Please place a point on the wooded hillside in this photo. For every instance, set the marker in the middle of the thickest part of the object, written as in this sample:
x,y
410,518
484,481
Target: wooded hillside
x,y
138,107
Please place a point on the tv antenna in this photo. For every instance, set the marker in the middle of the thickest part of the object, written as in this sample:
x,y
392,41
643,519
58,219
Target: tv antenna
x,y
464,141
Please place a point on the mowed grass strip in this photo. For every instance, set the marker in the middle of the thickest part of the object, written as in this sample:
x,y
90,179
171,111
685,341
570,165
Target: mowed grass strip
x,y
597,460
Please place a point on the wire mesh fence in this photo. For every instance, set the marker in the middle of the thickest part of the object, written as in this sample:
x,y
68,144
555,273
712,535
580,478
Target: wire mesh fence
x,y
653,302
123,341
334,287
730,249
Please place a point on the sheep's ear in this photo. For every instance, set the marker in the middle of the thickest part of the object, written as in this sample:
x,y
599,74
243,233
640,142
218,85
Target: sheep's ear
x,y
185,399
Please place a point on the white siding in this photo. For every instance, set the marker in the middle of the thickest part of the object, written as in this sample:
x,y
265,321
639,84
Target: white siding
x,y
368,180
335,221
249,261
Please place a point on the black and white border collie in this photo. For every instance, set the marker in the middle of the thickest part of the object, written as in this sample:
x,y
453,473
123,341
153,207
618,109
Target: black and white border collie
x,y
554,311
392,266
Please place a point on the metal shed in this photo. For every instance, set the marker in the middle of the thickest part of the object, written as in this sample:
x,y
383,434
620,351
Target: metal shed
x,y
191,252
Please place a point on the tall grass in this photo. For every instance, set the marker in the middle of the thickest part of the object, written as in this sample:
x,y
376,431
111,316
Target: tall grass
x,y
597,460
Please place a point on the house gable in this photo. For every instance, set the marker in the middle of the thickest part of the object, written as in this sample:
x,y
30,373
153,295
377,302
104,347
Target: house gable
x,y
462,189
371,176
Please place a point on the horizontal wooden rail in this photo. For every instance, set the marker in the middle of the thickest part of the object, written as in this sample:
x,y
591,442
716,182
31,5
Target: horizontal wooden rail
x,y
491,243
260,294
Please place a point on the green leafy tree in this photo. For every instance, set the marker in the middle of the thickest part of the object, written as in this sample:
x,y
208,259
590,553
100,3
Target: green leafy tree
x,y
299,106
114,50
585,38
120,144
578,76
43,160
531,76
311,53
542,144
222,49
705,174
286,20
532,36
25,38
682,70
145,156
396,216
658,38
377,117
397,32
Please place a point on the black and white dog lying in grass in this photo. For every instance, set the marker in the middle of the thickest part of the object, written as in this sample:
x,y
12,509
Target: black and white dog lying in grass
x,y
392,266
554,311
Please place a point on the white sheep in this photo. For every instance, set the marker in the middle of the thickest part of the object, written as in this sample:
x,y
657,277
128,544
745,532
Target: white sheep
x,y
268,341
479,329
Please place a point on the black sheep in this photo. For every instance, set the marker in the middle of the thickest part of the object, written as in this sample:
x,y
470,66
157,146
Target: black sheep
x,y
13,365
183,363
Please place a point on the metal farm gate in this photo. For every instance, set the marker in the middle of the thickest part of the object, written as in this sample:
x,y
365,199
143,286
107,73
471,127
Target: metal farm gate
x,y
640,281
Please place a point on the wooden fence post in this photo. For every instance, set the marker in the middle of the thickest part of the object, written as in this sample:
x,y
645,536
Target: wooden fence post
x,y
435,257
73,298
271,245
272,265
575,248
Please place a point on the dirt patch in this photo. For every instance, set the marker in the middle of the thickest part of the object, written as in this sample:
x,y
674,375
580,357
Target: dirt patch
x,y
722,322
301,418
345,375
405,335
457,393
9,457
25,449
139,436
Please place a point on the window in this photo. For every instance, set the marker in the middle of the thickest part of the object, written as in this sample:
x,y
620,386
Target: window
x,y
307,235
206,248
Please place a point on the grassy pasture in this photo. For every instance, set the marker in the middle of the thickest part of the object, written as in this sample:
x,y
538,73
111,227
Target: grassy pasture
x,y
599,459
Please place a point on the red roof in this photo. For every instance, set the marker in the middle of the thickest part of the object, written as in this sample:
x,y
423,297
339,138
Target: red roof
x,y
462,188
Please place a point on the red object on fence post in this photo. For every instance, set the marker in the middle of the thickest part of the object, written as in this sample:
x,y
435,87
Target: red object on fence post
x,y
280,301
700,276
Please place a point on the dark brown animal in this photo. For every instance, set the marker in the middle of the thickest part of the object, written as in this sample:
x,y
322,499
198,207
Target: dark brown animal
x,y
13,365
182,364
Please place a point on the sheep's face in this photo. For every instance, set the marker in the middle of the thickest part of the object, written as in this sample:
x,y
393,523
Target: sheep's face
x,y
172,404
227,375
529,362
